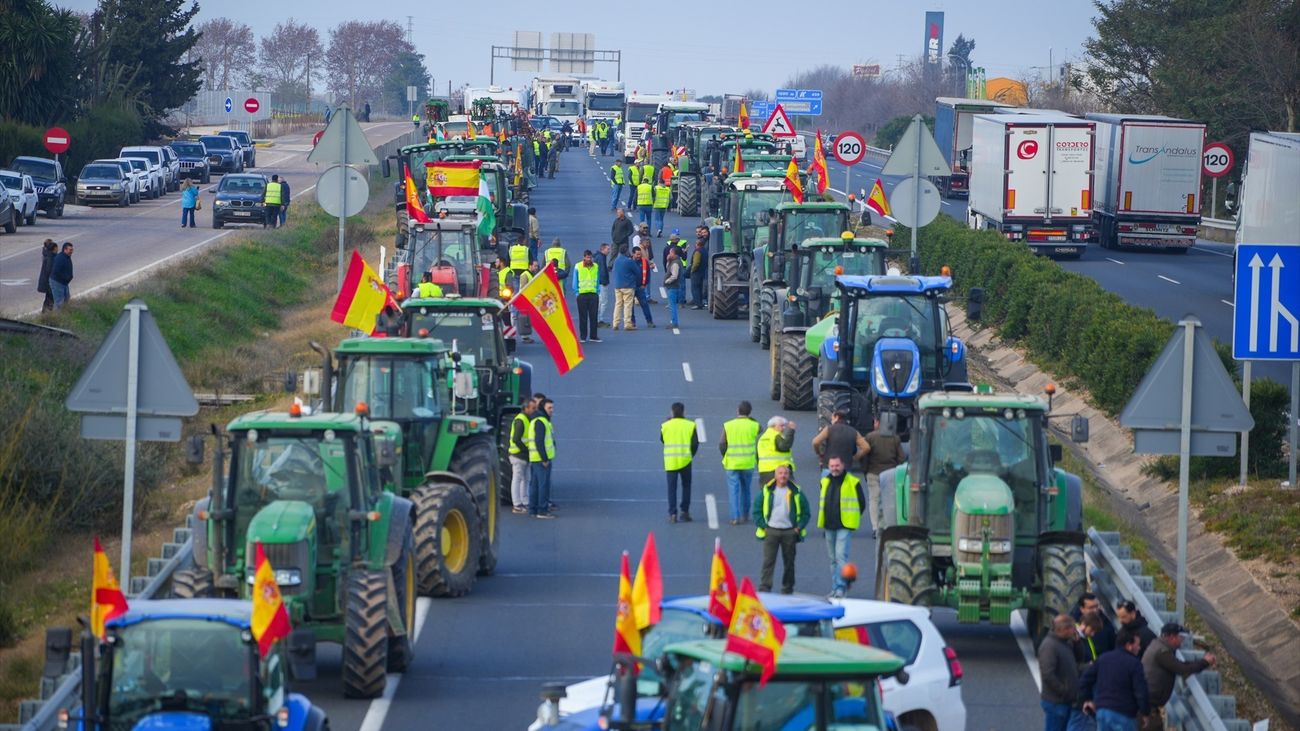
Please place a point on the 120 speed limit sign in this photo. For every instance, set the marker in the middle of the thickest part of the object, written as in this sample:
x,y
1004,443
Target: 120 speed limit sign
x,y
1216,161
849,148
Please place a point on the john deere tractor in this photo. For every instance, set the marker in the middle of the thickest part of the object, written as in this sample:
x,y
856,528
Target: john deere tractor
x,y
702,157
310,490
748,199
789,225
979,518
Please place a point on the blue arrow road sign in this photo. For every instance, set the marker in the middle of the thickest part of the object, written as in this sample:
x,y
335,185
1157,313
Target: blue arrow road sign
x,y
760,111
1265,323
798,95
230,104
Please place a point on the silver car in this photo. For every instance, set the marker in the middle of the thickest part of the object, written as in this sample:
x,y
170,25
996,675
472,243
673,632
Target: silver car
x,y
137,181
103,182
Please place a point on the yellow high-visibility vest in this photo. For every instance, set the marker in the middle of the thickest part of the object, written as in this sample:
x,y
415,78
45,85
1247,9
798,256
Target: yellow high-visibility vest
x,y
644,194
429,289
795,507
548,441
520,417
768,456
850,507
742,449
635,173
616,174
273,194
662,194
676,434
588,278
559,255
519,257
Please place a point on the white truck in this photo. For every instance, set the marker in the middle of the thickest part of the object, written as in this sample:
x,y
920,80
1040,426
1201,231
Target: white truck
x,y
1270,186
640,107
559,97
505,100
1031,180
952,130
603,100
1148,181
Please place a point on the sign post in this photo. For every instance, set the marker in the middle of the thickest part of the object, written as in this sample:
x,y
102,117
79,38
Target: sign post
x,y
918,156
1216,161
849,148
342,144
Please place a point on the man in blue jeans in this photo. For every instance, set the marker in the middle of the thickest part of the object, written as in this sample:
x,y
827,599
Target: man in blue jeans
x,y
644,266
739,447
1059,671
541,455
842,503
1115,687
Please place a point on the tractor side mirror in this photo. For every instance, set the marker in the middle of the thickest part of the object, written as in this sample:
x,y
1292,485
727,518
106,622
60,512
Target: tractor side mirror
x,y
194,450
58,648
1230,198
511,346
1057,453
386,452
975,304
302,654
1079,428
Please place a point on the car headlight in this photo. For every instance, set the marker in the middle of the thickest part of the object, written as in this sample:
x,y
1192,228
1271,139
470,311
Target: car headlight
x,y
117,186
975,545
218,204
283,577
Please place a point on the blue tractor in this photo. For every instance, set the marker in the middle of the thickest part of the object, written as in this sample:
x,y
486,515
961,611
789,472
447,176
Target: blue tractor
x,y
188,665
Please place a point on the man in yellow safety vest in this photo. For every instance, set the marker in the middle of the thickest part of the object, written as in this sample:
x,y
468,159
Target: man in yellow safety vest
x,y
662,195
681,442
634,181
616,182
739,458
520,429
645,199
427,288
586,284
780,515
774,448
839,513
541,455
272,199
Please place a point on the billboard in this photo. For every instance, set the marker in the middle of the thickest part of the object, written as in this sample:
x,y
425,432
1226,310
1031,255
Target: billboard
x,y
933,37
866,70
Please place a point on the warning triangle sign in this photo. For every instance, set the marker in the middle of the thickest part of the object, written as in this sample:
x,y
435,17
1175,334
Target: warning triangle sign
x,y
778,124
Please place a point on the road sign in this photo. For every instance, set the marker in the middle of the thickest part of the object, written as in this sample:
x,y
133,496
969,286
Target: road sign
x,y
57,140
849,148
903,202
329,188
811,108
761,110
917,154
1216,160
343,143
251,105
230,105
778,124
798,95
1267,303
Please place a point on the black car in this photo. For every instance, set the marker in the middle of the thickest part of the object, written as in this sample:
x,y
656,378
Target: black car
x,y
245,143
240,200
224,155
51,185
194,160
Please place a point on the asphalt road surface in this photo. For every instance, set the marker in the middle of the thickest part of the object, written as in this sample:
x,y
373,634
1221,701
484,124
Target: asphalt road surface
x,y
548,614
117,245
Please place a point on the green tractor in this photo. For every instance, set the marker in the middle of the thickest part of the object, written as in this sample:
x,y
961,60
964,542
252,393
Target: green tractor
x,y
310,489
744,208
416,159
980,518
702,156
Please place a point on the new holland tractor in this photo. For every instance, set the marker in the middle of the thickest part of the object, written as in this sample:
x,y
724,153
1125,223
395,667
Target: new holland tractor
x,y
980,518
310,490
748,199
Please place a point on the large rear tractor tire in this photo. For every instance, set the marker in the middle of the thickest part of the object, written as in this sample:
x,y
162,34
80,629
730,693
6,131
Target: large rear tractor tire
x,y
774,367
446,539
475,460
798,369
365,639
764,324
1065,577
401,648
725,300
904,574
688,195
192,584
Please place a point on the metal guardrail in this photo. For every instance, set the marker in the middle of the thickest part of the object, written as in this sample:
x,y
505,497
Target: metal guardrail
x,y
1223,224
1196,703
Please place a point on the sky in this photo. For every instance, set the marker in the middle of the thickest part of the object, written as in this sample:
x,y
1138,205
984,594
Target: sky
x,y
710,46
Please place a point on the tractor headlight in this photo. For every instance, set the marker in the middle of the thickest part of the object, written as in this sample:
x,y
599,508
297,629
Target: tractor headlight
x,y
283,577
914,383
882,386
975,545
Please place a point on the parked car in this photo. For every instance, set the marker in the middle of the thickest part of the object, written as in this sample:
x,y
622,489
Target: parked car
x,y
245,143
51,184
193,160
224,155
22,191
8,213
172,162
157,160
240,200
104,182
136,180
153,175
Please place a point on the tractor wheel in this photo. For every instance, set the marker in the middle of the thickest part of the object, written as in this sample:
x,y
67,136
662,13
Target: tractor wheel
x,y
798,368
365,639
192,584
904,574
725,300
755,316
446,539
688,195
401,648
774,367
475,460
1064,575
658,158
764,324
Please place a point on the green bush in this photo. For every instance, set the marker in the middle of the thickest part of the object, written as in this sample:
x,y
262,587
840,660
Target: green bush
x,y
102,132
19,139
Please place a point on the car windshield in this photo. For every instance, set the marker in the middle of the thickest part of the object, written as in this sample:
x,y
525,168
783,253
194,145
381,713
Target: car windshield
x,y
179,665
240,135
541,123
151,155
467,332
911,316
100,171
306,468
244,186
605,102
38,169
219,142
815,224
139,164
453,248
393,388
982,440
823,265
793,705
188,148
453,129
12,182
568,108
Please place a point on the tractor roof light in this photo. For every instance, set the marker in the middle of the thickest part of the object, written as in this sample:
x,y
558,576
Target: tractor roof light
x,y
362,408
1050,389
847,236
960,413
423,332
839,269
945,270
295,410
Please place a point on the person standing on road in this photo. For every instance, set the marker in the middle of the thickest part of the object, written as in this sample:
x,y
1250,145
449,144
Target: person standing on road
x,y
739,447
616,180
1132,620
48,251
1085,654
645,199
603,261
884,452
1104,639
520,429
61,276
586,284
1060,674
662,195
285,199
699,273
673,281
620,232
625,275
774,448
541,455
1115,688
675,242
780,514
271,199
681,442
644,267
1161,665
534,234
189,202
838,439
839,513
634,183
557,253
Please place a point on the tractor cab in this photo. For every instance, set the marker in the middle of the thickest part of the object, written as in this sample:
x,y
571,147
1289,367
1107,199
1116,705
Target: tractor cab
x,y
813,267
476,327
449,249
747,206
791,224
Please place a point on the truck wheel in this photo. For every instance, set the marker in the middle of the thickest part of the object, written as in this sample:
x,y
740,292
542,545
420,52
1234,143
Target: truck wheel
x,y
365,638
903,574
192,583
446,539
401,648
688,195
475,460
1064,575
774,368
725,300
798,369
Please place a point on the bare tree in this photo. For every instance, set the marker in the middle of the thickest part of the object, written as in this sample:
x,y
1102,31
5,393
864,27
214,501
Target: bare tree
x,y
227,52
360,55
292,57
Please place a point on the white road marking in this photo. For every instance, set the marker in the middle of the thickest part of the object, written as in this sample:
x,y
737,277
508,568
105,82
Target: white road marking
x,y
1212,251
1117,261
686,369
711,509
699,430
14,282
1021,634
1167,279
378,711
151,265
1226,302
676,331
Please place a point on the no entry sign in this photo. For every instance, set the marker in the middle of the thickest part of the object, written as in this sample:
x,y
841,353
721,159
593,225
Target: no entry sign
x,y
251,105
57,140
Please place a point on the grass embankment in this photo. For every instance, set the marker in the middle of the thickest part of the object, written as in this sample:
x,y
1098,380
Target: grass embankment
x,y
236,318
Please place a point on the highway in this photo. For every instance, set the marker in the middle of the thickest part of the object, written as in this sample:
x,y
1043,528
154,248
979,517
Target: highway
x,y
117,245
548,614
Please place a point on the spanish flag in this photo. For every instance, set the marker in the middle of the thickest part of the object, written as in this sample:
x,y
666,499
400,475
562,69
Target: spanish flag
x,y
106,599
819,164
744,115
792,183
362,297
722,585
542,300
453,178
414,210
877,201
754,633
739,165
648,588
627,638
270,621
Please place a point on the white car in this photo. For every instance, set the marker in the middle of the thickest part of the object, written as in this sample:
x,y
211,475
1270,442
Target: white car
x,y
137,179
153,174
22,191
168,167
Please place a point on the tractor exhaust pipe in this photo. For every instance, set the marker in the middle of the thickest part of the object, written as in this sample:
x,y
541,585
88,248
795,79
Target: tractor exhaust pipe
x,y
217,507
326,376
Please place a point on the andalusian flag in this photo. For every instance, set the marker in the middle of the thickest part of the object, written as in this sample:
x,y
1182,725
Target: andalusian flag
x,y
453,178
648,589
627,638
106,599
754,633
542,300
744,115
362,297
414,210
270,621
487,222
877,201
722,585
792,183
819,164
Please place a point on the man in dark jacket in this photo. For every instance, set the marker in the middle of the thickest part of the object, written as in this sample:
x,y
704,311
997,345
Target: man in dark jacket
x,y
48,251
1060,674
1161,664
1132,620
1115,688
603,259
1104,640
780,514
620,233
625,275
838,439
699,273
61,276
885,452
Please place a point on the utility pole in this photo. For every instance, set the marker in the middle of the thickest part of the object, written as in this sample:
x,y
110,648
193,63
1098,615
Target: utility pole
x,y
410,30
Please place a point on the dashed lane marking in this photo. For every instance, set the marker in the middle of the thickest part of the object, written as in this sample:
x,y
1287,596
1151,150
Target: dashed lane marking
x,y
711,509
686,370
1167,279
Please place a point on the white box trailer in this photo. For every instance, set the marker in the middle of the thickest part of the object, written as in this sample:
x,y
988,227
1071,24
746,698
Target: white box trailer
x,y
1031,180
1268,205
1148,181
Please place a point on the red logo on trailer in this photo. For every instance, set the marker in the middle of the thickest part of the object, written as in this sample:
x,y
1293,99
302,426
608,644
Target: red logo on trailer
x,y
1027,149
251,105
